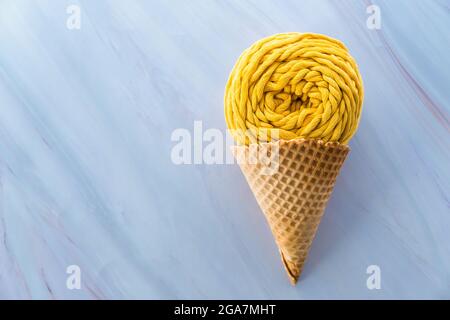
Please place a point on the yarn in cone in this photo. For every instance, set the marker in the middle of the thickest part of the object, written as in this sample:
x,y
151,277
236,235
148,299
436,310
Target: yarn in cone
x,y
307,90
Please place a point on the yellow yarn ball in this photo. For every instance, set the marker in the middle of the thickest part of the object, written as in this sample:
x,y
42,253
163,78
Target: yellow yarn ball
x,y
303,84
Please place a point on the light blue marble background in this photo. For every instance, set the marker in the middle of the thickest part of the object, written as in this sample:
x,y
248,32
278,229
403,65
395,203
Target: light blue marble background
x,y
86,118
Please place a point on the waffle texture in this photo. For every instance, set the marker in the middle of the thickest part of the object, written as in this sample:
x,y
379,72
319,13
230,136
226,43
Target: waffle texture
x,y
293,198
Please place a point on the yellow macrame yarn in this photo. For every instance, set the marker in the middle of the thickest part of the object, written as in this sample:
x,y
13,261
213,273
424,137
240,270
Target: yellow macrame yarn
x,y
306,85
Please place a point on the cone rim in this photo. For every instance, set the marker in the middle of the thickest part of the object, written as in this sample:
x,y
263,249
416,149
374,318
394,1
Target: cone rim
x,y
333,144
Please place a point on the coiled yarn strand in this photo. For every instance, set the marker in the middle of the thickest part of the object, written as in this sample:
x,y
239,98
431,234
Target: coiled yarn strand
x,y
303,85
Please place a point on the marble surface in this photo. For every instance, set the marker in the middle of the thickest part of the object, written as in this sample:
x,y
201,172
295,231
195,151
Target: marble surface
x,y
86,118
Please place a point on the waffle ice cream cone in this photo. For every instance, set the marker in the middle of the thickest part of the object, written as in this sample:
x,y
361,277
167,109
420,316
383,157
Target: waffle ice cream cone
x,y
294,196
